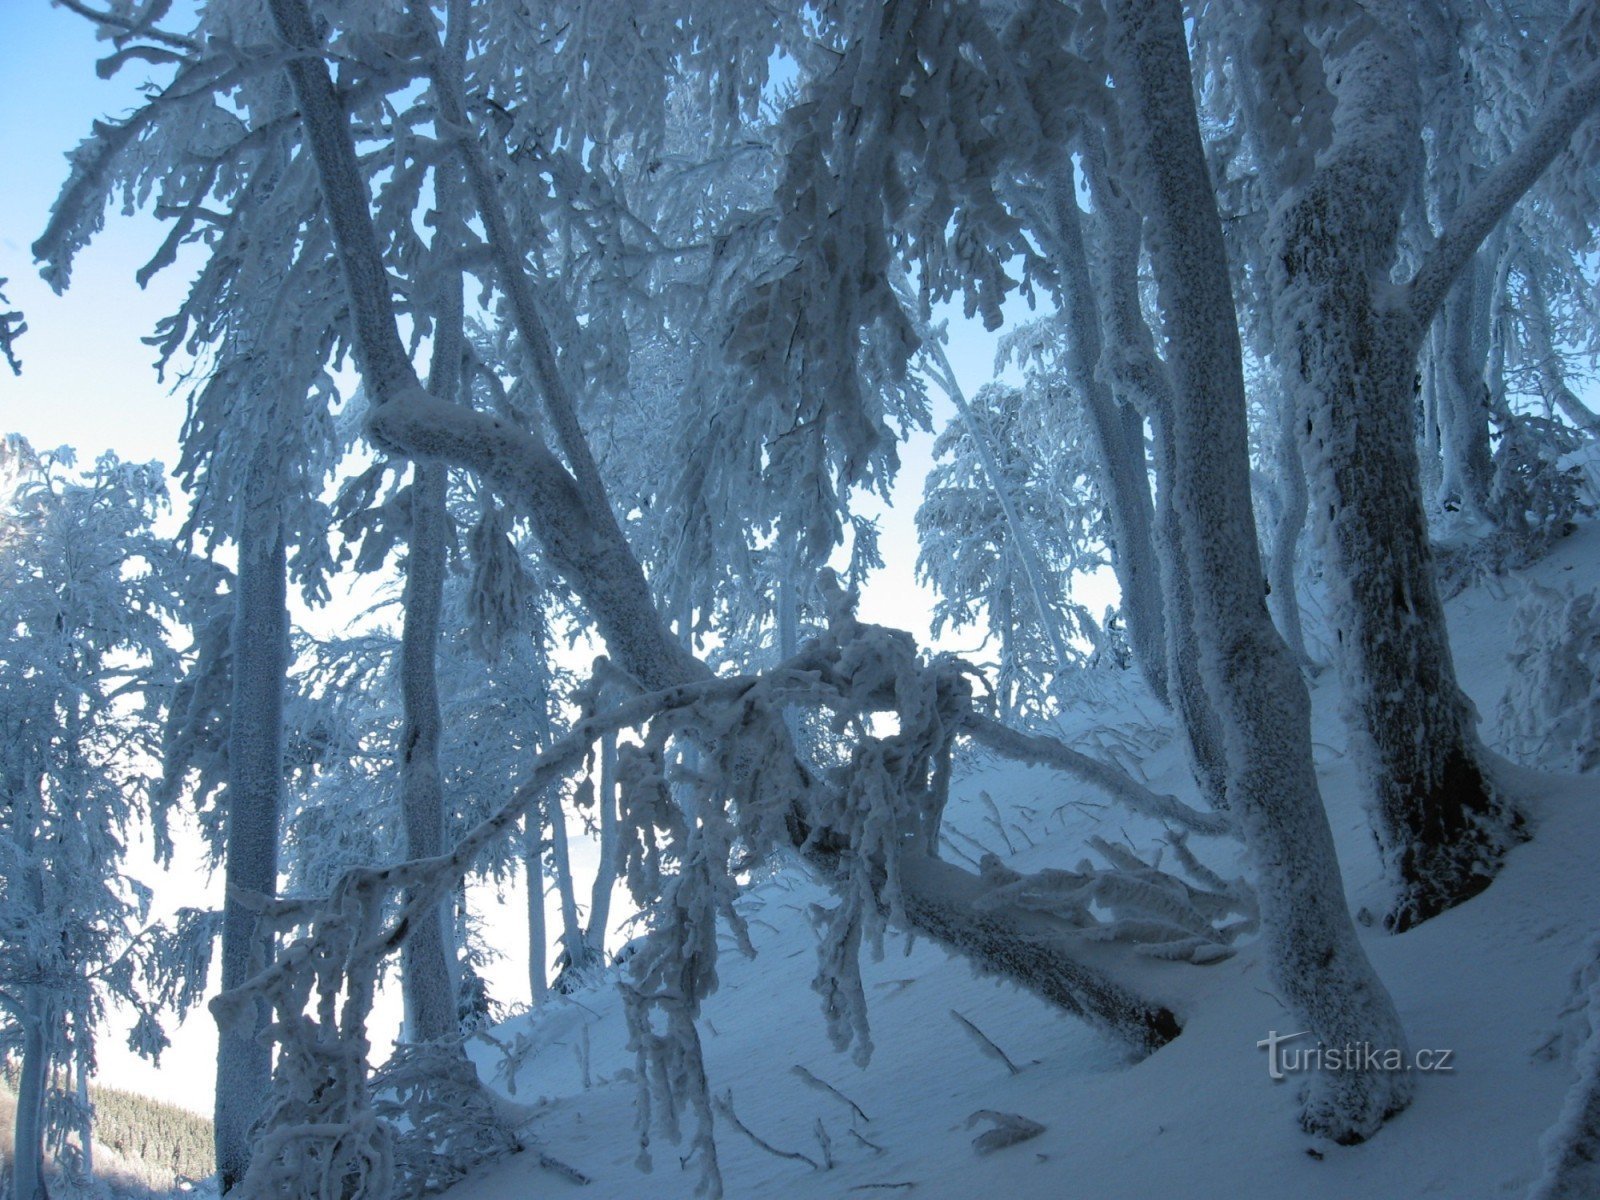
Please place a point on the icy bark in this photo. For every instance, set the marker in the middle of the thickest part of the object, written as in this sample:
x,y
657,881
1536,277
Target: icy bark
x,y
1289,522
1119,444
253,797
561,867
1317,963
1140,378
427,980
1440,824
1464,401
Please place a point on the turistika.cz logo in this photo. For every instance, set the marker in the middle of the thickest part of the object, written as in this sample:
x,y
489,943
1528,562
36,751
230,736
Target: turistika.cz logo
x,y
1284,1060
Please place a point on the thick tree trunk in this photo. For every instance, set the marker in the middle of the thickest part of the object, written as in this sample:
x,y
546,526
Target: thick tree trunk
x,y
254,791
1438,820
1316,960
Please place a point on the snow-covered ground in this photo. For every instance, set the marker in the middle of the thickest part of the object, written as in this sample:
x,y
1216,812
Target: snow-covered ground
x,y
1488,982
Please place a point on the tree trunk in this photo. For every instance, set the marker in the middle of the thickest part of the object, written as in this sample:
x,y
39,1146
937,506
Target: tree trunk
x,y
1283,595
538,937
573,946
255,785
428,969
86,1120
1464,400
1441,826
1124,476
605,877
27,1167
427,982
1316,960
1141,380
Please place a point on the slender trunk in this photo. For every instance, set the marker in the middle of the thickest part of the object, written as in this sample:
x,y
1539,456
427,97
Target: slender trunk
x,y
1123,476
27,1167
428,977
572,941
86,1120
538,938
1316,960
255,785
1283,595
605,877
1464,402
1141,380
1427,437
427,983
1441,826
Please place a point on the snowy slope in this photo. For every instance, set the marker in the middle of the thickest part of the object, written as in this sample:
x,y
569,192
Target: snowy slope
x,y
1488,981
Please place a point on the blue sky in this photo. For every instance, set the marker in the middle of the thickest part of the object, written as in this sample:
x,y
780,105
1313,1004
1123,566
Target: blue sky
x,y
86,377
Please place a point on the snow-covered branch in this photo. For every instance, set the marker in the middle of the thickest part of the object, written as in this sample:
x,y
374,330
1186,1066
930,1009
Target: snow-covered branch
x,y
1498,193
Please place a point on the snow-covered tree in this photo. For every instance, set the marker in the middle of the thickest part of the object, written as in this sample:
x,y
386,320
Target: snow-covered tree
x,y
87,592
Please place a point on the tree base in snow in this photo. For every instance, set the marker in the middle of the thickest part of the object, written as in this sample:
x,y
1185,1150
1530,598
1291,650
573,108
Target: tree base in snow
x,y
1456,837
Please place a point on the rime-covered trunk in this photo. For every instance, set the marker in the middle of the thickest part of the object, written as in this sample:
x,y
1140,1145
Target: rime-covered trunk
x,y
1124,477
572,942
27,1167
1140,380
1316,961
1438,820
428,967
253,797
1463,401
1288,523
1191,699
427,982
80,1075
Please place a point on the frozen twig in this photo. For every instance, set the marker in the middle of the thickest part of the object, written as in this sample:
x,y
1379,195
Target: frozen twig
x,y
985,1044
823,1085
